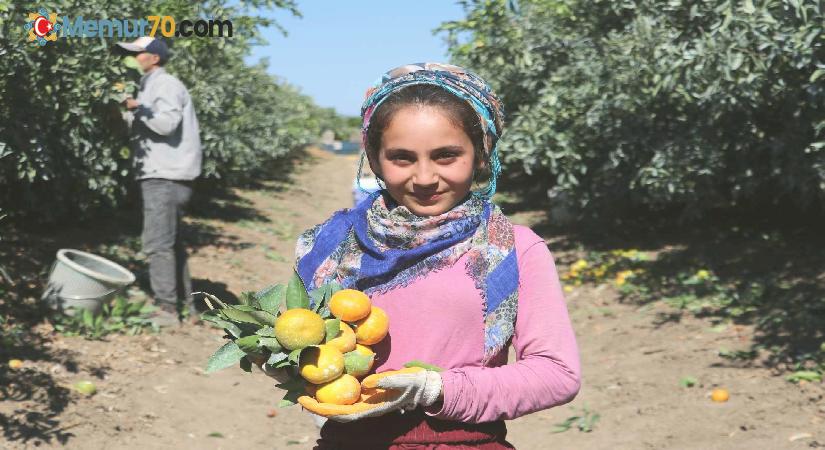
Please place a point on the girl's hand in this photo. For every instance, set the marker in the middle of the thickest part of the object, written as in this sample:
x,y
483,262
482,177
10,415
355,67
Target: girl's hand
x,y
416,386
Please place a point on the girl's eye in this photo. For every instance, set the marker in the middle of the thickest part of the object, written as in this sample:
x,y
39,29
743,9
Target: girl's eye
x,y
447,155
400,158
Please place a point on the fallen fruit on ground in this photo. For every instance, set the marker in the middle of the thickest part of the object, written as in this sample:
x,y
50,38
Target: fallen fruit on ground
x,y
299,328
373,328
350,305
344,390
85,387
719,395
15,364
321,364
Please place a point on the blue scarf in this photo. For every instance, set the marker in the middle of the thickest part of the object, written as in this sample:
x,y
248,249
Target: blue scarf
x,y
379,246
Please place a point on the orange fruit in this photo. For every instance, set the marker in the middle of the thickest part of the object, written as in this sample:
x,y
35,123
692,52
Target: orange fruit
x,y
299,328
15,364
321,364
349,305
371,329
344,390
366,351
719,395
346,341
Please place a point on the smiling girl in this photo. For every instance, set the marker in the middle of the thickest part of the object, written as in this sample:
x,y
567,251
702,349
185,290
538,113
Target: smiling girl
x,y
459,281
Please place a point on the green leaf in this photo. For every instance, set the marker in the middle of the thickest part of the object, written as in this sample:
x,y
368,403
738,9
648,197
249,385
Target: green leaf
x,y
688,382
246,365
804,375
248,299
263,317
293,384
294,388
270,343
230,327
276,358
294,355
237,315
248,344
355,362
224,357
333,329
273,298
131,62
266,331
423,365
296,294
88,319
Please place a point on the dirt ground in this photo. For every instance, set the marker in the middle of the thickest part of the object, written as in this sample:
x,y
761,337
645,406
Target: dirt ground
x,y
153,393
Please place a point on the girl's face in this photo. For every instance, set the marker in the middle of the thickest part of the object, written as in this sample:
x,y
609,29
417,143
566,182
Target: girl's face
x,y
426,161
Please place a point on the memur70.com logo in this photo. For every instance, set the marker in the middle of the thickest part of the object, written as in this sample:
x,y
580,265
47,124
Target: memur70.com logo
x,y
44,26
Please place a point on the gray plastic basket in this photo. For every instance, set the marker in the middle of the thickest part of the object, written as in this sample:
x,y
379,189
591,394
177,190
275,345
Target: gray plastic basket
x,y
83,280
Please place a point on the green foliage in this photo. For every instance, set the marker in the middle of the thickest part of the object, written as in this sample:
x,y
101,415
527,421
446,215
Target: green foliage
x,y
584,421
656,105
121,317
249,329
63,144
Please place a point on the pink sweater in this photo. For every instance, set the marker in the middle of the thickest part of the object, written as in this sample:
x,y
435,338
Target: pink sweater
x,y
438,320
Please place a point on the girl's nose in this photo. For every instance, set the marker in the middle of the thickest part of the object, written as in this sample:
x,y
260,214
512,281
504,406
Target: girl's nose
x,y
424,175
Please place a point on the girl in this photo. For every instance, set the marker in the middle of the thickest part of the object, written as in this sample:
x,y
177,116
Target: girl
x,y
459,282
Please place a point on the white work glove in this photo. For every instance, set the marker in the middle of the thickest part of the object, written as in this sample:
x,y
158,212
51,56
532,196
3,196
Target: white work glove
x,y
419,388
396,390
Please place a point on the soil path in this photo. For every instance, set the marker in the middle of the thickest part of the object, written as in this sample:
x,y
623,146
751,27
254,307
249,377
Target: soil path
x,y
153,392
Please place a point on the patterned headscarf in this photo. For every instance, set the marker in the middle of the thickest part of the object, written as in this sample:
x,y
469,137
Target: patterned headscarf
x,y
456,80
379,245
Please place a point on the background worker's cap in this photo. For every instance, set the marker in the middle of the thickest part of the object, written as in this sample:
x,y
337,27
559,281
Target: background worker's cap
x,y
147,44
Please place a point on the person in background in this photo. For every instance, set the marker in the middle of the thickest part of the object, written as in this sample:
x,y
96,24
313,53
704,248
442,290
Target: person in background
x,y
167,147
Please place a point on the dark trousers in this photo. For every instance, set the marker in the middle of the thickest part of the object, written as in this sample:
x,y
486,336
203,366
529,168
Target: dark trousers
x,y
164,202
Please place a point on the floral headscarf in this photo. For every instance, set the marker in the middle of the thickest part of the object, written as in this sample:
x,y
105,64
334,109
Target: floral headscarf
x,y
379,245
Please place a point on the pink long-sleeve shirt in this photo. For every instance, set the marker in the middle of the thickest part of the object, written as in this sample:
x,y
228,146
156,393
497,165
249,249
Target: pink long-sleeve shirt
x,y
438,319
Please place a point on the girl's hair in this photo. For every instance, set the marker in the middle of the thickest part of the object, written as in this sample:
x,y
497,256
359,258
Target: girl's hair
x,y
459,112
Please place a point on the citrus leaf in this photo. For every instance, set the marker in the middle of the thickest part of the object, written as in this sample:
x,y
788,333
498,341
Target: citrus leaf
x,y
276,358
355,362
272,299
237,315
248,299
333,329
293,384
294,355
219,322
249,344
688,382
270,343
296,293
224,357
246,365
423,365
263,317
266,331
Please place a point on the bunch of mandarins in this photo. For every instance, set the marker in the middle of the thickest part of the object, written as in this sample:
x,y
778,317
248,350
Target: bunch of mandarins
x,y
321,338
333,368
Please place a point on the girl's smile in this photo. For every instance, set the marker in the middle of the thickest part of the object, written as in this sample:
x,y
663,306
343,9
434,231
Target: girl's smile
x,y
426,160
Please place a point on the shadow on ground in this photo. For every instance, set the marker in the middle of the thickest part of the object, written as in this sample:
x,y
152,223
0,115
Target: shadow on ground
x,y
768,274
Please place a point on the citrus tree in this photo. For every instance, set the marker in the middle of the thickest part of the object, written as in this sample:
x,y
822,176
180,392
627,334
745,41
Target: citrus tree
x,y
656,105
63,145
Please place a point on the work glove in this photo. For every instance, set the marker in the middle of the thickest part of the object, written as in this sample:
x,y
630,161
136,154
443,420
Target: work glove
x,y
383,393
417,386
